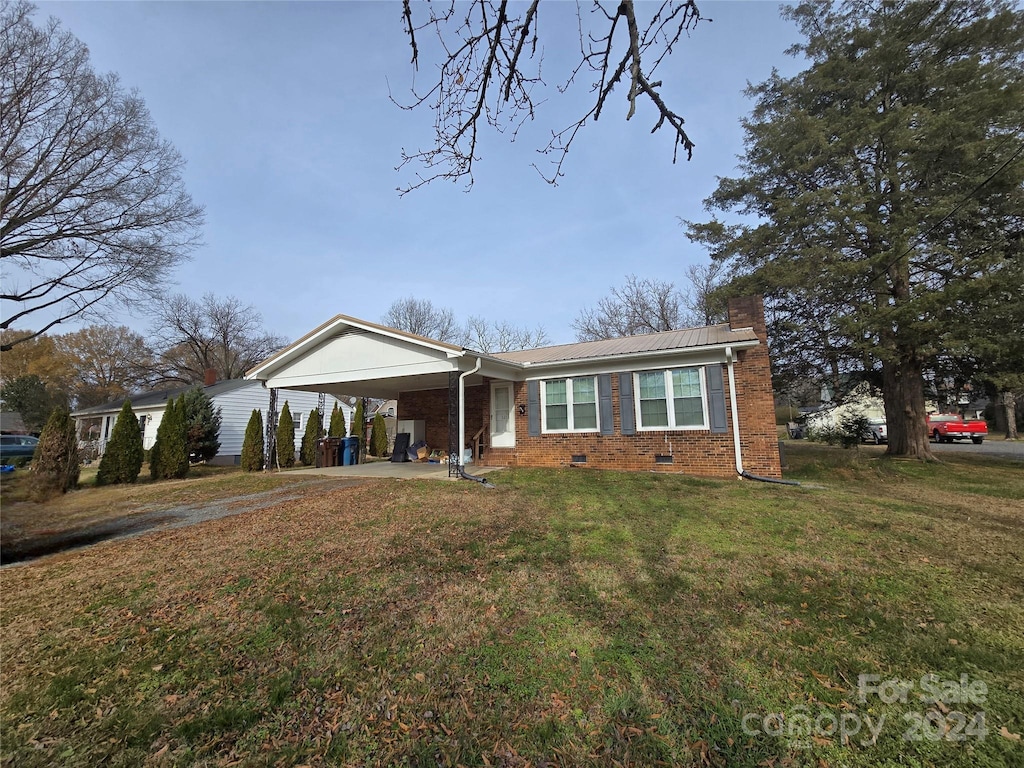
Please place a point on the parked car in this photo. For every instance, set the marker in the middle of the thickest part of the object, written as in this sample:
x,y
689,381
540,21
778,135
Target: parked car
x,y
17,447
875,432
947,427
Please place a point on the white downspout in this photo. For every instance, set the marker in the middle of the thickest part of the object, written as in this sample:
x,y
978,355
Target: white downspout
x,y
462,408
735,412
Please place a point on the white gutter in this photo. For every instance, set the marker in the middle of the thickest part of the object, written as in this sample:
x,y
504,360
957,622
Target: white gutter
x,y
735,412
462,409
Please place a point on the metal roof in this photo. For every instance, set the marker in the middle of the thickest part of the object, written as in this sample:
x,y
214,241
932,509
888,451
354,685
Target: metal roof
x,y
712,335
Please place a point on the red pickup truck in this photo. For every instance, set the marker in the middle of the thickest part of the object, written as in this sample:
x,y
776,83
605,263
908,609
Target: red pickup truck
x,y
947,427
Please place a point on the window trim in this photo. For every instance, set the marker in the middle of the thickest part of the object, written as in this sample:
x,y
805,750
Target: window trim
x,y
569,407
670,401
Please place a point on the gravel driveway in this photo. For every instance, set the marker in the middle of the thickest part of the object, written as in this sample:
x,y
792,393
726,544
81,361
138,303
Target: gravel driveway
x,y
157,518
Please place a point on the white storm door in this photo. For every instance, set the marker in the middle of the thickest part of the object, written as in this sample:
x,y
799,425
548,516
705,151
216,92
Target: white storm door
x,y
503,423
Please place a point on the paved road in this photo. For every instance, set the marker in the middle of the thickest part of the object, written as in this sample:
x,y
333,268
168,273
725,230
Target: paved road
x,y
1000,448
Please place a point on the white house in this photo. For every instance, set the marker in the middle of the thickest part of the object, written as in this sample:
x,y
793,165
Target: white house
x,y
236,399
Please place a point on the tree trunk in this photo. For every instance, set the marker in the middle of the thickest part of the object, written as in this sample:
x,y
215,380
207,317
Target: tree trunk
x,y
905,415
1009,403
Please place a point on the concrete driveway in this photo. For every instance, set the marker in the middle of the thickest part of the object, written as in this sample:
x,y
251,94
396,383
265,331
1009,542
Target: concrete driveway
x,y
409,470
998,448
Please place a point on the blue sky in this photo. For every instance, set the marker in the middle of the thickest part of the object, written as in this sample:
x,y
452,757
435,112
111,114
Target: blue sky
x,y
281,111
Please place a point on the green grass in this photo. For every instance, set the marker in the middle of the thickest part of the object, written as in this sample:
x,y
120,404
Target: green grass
x,y
565,618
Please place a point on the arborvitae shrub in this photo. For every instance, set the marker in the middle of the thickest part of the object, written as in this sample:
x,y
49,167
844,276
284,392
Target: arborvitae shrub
x,y
252,444
202,425
337,426
379,436
310,438
172,441
122,460
359,424
55,463
286,438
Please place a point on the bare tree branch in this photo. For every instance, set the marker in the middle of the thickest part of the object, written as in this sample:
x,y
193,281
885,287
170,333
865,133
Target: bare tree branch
x,y
92,203
488,43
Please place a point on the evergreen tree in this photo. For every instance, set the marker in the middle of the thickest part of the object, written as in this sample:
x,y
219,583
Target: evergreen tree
x,y
171,448
379,436
337,425
310,438
55,464
359,425
122,459
252,444
202,425
880,194
286,438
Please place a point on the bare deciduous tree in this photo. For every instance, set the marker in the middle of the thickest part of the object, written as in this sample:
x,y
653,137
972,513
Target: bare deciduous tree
x,y
490,68
220,334
638,307
703,307
651,306
421,317
93,204
484,336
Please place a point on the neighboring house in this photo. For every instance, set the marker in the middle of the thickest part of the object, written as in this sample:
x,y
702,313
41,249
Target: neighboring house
x,y
861,401
697,400
11,423
236,399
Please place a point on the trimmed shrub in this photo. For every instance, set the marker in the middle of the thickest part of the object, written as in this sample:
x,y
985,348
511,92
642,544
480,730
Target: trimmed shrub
x,y
122,460
358,424
252,444
379,436
286,438
169,456
310,438
337,424
55,462
202,425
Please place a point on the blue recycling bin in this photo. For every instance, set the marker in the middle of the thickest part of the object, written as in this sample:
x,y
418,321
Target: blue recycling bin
x,y
350,451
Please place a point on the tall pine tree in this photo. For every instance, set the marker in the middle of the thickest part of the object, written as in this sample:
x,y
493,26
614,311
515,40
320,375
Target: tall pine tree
x,y
885,184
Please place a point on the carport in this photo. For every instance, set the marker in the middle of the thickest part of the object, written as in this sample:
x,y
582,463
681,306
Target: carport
x,y
348,356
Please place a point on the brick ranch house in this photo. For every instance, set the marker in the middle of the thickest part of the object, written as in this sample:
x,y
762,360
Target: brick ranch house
x,y
696,400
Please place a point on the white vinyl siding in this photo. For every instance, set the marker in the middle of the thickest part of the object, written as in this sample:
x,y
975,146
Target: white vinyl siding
x,y
569,405
671,399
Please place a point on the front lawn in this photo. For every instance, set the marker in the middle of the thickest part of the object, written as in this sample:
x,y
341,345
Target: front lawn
x,y
564,618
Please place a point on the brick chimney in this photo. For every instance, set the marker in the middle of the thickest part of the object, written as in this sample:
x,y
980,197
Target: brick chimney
x,y
748,312
209,377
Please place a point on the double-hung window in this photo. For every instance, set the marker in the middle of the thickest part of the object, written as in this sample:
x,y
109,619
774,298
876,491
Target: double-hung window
x,y
672,399
570,405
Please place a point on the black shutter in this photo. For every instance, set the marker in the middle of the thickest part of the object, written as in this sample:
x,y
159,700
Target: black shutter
x,y
533,408
604,399
716,398
626,413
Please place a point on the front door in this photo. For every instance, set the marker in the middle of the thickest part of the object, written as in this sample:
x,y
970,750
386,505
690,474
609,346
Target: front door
x,y
503,425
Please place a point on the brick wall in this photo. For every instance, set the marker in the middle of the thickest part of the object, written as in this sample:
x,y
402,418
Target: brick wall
x,y
691,452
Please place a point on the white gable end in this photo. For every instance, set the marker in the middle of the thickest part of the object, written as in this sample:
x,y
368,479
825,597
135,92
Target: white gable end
x,y
360,356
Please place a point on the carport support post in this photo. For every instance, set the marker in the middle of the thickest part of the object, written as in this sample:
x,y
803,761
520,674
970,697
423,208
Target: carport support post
x,y
362,435
454,458
271,441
